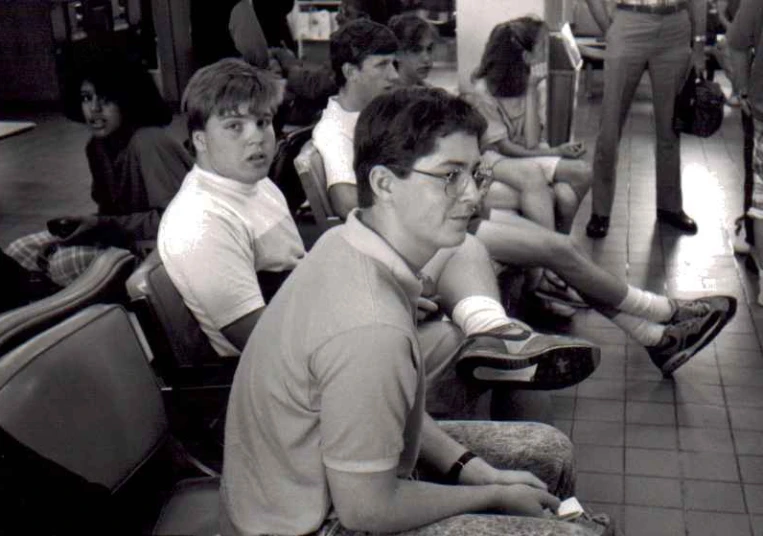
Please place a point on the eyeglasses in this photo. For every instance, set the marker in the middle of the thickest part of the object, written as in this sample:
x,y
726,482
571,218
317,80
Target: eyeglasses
x,y
457,180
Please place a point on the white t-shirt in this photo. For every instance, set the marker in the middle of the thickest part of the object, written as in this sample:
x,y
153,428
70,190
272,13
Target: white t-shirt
x,y
333,136
213,238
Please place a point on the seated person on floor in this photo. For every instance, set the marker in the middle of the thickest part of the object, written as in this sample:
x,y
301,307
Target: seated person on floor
x,y
136,169
338,349
655,321
229,227
416,38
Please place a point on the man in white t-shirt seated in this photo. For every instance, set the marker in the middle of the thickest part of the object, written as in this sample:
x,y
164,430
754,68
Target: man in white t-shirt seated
x,y
671,330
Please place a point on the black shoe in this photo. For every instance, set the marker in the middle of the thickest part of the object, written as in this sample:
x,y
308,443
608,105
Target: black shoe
x,y
598,226
679,220
683,340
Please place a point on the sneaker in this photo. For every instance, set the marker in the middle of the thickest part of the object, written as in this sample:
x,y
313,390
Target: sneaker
x,y
740,244
686,309
561,361
682,340
734,101
598,524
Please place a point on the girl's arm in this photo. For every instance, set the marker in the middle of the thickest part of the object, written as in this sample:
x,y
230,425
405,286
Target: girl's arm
x,y
533,122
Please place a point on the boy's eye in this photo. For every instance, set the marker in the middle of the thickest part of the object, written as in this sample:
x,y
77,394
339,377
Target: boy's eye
x,y
264,122
235,126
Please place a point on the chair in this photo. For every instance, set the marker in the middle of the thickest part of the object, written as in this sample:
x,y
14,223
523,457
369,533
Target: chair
x,y
309,166
183,353
82,399
196,380
103,281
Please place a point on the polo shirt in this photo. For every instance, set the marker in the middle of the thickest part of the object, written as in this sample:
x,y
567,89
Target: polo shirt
x,y
335,379
213,238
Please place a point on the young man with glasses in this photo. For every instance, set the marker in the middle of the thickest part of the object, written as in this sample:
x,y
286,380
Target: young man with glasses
x,y
326,424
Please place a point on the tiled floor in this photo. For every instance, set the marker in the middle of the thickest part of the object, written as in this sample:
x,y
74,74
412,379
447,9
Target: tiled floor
x,y
666,457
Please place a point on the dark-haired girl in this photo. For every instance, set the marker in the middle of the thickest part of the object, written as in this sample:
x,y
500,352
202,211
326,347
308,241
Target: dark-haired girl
x,y
136,168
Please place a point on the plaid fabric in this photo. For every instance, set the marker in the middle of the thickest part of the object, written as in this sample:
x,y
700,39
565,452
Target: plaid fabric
x,y
41,252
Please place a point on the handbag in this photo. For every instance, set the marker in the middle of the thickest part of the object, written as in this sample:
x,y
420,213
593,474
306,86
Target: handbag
x,y
699,107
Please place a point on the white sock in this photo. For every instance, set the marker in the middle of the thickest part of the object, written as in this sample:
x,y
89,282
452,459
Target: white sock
x,y
478,314
644,331
645,304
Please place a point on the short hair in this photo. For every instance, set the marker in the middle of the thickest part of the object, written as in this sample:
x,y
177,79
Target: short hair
x,y
502,65
399,127
123,81
223,86
410,29
355,41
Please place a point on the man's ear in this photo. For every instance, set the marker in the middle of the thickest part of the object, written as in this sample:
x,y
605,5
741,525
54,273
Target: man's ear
x,y
348,70
199,140
380,179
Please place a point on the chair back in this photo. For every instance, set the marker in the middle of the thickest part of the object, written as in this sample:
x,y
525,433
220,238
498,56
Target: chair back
x,y
183,353
102,282
83,395
312,174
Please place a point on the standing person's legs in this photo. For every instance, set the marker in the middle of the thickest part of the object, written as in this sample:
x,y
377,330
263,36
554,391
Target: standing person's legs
x,y
624,64
667,70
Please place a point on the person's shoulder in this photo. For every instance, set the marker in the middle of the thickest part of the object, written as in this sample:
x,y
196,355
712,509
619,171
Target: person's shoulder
x,y
152,136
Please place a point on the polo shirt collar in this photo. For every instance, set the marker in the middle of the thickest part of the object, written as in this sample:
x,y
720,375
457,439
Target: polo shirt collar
x,y
370,243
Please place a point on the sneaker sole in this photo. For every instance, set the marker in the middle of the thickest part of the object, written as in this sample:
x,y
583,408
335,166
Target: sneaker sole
x,y
687,353
557,367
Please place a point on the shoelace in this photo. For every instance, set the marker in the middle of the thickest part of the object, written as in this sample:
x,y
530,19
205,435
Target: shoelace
x,y
692,309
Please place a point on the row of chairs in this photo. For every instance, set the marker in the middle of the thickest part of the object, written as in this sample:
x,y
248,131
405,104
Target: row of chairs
x,y
100,386
104,384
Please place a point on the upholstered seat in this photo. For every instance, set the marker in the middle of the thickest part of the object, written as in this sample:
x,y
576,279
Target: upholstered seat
x,y
309,166
82,395
102,282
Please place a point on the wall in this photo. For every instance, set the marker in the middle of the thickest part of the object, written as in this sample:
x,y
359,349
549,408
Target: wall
x,y
27,52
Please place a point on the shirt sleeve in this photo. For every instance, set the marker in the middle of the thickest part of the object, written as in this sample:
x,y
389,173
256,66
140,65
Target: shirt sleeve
x,y
212,267
368,381
496,129
337,152
157,164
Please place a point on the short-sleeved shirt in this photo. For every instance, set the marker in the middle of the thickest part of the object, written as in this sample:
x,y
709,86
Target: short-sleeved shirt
x,y
333,136
213,238
745,32
335,380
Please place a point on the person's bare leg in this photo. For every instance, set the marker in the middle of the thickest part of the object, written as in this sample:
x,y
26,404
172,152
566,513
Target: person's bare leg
x,y
536,198
572,180
512,239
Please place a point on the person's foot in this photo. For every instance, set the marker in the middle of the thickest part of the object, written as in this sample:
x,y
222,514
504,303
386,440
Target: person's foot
x,y
682,340
560,361
679,220
598,226
687,309
734,101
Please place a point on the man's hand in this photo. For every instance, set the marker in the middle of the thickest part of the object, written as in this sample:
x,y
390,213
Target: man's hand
x,y
571,149
523,500
426,308
478,472
698,58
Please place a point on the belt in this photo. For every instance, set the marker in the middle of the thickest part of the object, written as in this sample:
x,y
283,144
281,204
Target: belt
x,y
655,9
